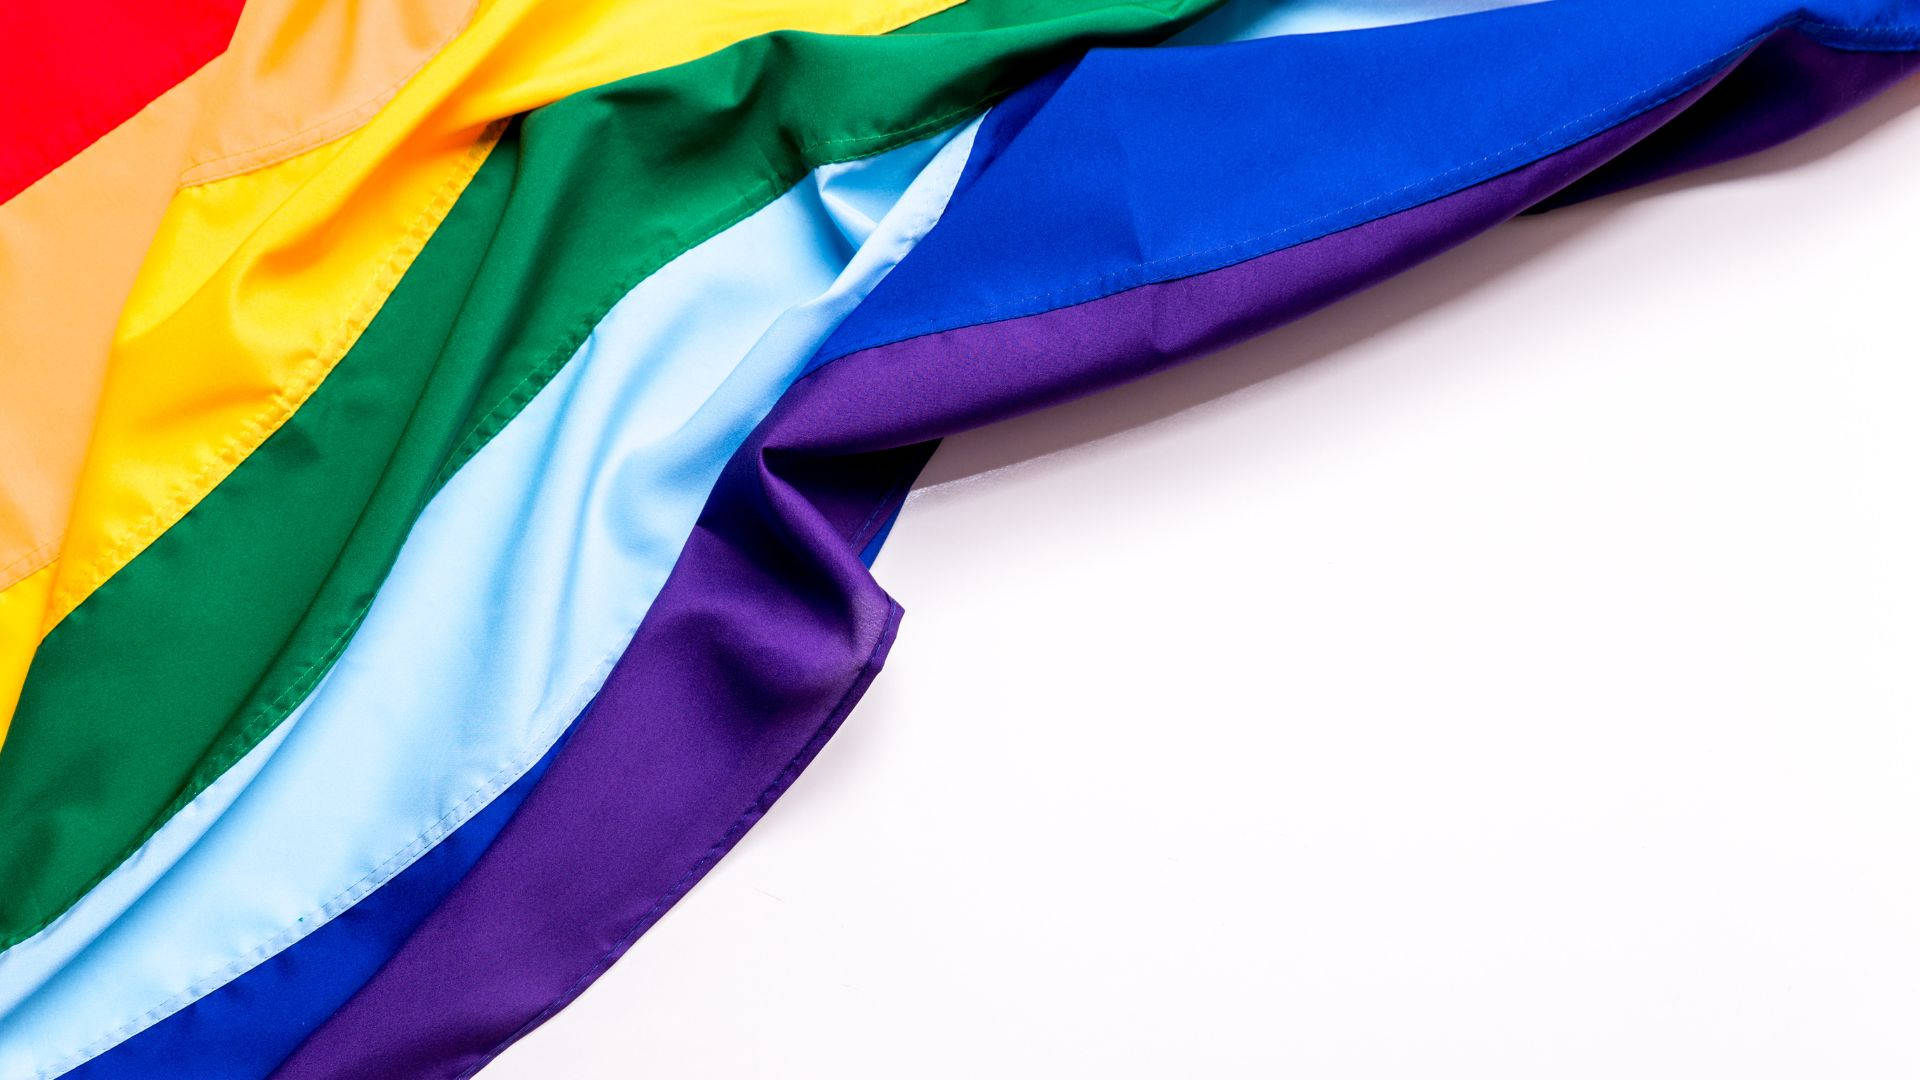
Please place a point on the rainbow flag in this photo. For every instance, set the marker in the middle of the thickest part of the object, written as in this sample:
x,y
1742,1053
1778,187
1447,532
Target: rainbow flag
x,y
445,441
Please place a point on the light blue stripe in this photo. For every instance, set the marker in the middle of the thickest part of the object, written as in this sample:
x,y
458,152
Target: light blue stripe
x,y
497,623
510,600
1248,20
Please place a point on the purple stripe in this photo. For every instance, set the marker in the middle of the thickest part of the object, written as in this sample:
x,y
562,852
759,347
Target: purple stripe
x,y
770,627
1791,86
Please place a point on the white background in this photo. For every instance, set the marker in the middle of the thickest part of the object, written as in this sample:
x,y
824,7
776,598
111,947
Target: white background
x,y
1512,672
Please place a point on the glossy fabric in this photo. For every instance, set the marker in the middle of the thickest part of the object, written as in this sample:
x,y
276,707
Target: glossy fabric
x,y
257,284
260,586
297,73
770,627
72,71
249,1025
1419,146
300,73
70,243
492,631
174,911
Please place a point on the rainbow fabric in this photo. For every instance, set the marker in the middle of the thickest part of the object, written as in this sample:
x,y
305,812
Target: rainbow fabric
x,y
445,441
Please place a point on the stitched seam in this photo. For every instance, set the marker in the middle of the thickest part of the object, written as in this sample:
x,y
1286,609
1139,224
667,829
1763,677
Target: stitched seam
x,y
67,164
738,828
711,857
370,105
516,397
255,430
908,12
767,189
274,710
283,701
424,224
423,841
1620,110
353,114
862,536
479,153
28,562
879,141
286,399
335,127
314,918
1863,34
359,113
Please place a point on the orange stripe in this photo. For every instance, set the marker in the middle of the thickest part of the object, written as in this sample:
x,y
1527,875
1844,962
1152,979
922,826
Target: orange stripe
x,y
298,73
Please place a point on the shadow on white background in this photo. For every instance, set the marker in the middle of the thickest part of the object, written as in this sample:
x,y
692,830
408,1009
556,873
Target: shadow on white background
x,y
1509,672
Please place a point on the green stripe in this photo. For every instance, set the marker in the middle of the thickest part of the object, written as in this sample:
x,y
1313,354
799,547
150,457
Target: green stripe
x,y
179,664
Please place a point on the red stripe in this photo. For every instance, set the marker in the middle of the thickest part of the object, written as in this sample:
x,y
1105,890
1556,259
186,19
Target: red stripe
x,y
73,70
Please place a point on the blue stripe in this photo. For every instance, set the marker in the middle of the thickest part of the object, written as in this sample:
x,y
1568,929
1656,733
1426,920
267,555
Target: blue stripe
x,y
249,1026
1340,141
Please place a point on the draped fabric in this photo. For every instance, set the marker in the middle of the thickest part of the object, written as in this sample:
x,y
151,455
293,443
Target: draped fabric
x,y
77,70
462,666
265,579
446,441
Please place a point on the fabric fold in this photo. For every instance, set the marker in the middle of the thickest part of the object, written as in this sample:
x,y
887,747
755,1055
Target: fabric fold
x,y
770,626
72,72
296,73
263,273
495,627
259,587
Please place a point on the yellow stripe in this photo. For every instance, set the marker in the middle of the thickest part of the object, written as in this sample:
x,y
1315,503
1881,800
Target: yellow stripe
x,y
298,73
257,284
20,610
70,247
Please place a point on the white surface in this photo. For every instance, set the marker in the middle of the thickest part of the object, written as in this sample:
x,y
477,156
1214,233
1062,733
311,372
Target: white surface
x,y
1509,673
494,627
